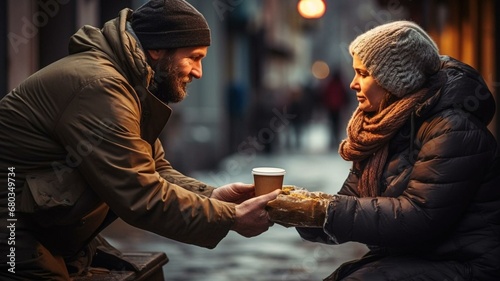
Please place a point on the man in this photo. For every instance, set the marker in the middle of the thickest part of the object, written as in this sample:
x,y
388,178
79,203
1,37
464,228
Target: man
x,y
80,147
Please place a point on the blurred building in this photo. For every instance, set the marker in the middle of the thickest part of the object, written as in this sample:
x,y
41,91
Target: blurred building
x,y
262,51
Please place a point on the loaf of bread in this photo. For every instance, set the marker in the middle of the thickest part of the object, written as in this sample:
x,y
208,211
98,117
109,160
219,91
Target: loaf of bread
x,y
298,207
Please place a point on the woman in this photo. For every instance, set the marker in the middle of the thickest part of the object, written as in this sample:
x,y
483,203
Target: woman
x,y
424,189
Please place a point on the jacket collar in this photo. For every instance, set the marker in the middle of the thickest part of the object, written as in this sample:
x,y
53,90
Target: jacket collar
x,y
154,116
117,40
155,113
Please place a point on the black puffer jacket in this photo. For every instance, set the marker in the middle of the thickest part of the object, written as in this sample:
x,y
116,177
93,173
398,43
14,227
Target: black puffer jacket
x,y
440,186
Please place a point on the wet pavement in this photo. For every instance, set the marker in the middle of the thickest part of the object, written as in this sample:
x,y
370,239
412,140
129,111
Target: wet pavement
x,y
276,255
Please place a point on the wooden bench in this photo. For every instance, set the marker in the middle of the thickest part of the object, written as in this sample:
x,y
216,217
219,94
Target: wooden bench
x,y
149,263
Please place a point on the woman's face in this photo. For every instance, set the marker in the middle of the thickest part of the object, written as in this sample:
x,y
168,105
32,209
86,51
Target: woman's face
x,y
368,92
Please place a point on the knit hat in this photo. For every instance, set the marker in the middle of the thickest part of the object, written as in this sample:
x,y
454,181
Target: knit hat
x,y
399,55
163,24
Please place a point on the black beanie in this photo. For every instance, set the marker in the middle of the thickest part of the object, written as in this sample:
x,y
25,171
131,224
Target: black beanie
x,y
164,24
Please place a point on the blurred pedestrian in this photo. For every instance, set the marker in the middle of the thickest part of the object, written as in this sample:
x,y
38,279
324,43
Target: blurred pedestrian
x,y
295,106
424,189
334,100
80,147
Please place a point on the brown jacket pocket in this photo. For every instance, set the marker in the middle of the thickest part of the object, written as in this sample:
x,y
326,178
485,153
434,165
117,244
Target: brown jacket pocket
x,y
46,190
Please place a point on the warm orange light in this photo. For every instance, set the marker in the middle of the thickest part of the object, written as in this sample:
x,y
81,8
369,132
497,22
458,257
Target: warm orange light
x,y
320,69
311,9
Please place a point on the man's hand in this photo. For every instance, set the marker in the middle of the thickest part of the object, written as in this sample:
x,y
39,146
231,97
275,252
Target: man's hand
x,y
234,192
251,217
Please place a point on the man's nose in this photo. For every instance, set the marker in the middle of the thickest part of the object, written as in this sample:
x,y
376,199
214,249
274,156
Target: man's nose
x,y
197,70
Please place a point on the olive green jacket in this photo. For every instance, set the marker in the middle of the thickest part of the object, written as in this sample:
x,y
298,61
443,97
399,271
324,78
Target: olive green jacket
x,y
82,135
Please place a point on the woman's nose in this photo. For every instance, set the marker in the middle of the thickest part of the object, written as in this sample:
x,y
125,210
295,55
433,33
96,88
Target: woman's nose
x,y
353,84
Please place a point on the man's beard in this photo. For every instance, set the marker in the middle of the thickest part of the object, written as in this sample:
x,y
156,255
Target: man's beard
x,y
168,84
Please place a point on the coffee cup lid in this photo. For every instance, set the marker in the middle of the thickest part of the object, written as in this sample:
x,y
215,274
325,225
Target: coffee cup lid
x,y
268,171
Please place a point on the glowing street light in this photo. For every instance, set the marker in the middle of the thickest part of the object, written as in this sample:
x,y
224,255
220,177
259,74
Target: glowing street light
x,y
320,69
311,9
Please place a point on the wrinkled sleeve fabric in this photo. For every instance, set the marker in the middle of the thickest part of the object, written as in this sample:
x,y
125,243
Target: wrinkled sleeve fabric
x,y
100,129
170,174
446,174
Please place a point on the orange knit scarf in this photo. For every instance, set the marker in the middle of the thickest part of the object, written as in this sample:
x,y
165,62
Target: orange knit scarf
x,y
368,139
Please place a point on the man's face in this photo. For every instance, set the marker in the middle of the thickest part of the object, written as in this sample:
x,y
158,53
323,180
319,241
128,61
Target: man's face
x,y
173,71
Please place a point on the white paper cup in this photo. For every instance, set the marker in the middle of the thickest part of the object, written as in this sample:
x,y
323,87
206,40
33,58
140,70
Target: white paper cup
x,y
267,179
